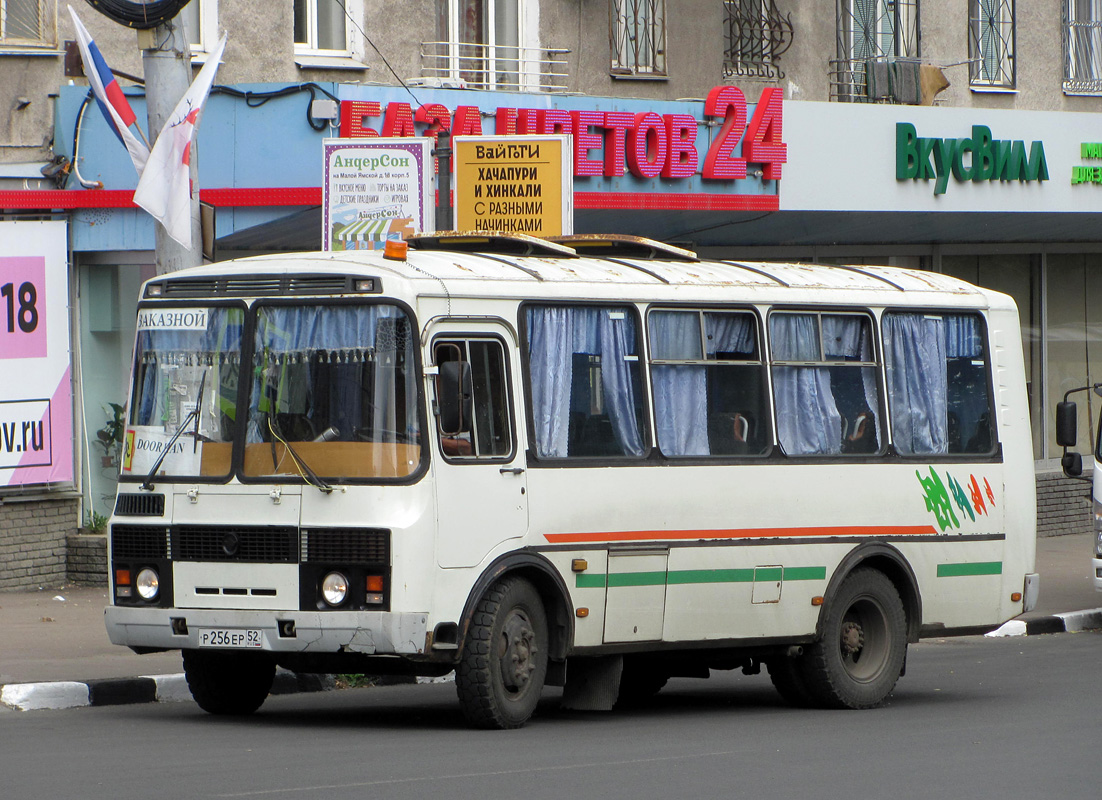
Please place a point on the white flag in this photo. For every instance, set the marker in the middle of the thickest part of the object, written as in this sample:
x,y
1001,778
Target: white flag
x,y
165,186
109,97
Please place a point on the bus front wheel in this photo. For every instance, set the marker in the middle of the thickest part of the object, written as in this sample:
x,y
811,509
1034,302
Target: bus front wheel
x,y
230,684
860,656
503,665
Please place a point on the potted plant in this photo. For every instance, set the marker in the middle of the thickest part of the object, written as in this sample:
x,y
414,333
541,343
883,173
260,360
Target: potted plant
x,y
109,437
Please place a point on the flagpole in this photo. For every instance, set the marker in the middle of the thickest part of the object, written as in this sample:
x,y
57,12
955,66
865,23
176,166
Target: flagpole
x,y
166,58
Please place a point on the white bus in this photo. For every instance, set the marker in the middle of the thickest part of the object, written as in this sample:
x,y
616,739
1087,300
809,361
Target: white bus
x,y
595,463
1072,462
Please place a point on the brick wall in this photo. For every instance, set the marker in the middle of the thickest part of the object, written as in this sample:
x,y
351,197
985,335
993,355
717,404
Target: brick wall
x,y
32,540
1063,505
87,559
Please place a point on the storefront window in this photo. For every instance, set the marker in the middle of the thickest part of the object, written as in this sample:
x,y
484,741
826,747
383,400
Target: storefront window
x,y
1073,329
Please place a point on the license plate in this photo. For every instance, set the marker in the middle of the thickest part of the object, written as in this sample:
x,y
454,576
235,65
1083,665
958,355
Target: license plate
x,y
229,637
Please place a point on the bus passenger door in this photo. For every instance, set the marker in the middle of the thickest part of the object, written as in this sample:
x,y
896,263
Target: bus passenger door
x,y
635,598
481,498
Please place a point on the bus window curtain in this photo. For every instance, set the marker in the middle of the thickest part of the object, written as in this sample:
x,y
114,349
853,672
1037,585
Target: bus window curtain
x,y
680,391
555,335
849,338
915,352
808,420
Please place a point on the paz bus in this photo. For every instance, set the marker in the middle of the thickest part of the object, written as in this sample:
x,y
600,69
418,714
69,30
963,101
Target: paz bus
x,y
593,463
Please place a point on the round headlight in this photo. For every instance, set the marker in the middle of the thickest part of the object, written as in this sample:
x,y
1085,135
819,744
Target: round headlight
x,y
148,584
334,588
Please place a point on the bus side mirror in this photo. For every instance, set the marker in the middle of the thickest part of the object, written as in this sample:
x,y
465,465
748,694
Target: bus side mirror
x,y
454,397
1072,464
1066,423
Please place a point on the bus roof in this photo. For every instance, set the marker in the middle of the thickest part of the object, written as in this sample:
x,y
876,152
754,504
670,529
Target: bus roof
x,y
630,268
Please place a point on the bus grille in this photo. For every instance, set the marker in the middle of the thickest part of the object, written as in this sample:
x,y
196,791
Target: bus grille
x,y
140,505
346,545
236,543
130,542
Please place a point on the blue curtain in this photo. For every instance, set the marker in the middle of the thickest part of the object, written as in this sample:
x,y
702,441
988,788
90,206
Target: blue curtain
x,y
555,335
915,353
808,420
681,391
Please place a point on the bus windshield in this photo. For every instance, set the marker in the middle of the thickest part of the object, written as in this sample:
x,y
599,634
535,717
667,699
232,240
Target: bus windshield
x,y
186,367
334,390
331,392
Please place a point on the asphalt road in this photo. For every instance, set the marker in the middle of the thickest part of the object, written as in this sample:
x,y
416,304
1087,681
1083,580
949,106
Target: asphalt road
x,y
974,718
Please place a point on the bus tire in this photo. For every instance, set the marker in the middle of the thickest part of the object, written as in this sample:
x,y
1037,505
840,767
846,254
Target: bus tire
x,y
860,655
787,674
503,664
228,684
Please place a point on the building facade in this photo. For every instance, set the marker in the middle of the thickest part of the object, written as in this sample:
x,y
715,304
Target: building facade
x,y
959,136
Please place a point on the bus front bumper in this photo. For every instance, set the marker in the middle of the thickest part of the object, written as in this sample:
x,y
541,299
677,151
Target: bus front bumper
x,y
365,632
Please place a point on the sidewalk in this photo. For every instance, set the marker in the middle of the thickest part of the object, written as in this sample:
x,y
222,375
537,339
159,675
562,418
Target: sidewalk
x,y
57,635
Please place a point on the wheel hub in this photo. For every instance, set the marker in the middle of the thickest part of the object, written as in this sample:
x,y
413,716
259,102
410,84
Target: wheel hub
x,y
852,640
518,660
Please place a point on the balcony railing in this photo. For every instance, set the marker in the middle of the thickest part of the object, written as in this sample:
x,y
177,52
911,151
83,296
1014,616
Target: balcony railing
x,y
892,81
497,67
1082,57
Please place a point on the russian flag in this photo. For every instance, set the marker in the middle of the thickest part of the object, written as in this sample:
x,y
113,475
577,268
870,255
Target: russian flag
x,y
112,102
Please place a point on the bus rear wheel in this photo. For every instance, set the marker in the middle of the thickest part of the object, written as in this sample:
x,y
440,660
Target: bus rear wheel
x,y
228,684
860,656
503,665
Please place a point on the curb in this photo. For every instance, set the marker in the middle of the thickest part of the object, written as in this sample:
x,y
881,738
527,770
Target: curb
x,y
1069,622
56,695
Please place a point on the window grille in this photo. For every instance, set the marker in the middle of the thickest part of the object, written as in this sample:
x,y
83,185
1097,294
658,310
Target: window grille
x,y
637,32
758,34
24,22
1083,47
991,39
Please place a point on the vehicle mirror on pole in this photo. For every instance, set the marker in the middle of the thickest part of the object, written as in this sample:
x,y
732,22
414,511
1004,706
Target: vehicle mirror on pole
x,y
1066,423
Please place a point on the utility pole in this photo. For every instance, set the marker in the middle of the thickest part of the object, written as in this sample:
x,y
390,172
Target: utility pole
x,y
166,58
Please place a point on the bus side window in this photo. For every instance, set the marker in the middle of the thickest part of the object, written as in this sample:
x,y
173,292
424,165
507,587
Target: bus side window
x,y
473,391
938,383
709,392
584,376
825,383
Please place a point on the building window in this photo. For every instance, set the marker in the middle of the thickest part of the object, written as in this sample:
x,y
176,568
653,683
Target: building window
x,y
874,36
1083,47
991,33
320,27
489,44
637,33
25,22
200,18
757,35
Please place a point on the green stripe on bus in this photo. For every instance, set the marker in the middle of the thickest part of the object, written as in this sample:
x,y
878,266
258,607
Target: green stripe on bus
x,y
805,573
636,579
695,576
969,569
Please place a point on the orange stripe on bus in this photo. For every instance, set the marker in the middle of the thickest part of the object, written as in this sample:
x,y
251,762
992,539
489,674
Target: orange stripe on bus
x,y
744,533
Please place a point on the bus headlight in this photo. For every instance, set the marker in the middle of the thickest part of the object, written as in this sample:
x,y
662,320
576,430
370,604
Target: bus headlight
x,y
334,588
148,584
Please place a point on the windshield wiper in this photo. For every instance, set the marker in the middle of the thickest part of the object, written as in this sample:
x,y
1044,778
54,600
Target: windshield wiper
x,y
307,474
195,414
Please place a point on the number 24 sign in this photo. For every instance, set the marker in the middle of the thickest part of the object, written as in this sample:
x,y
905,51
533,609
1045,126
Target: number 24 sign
x,y
22,307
